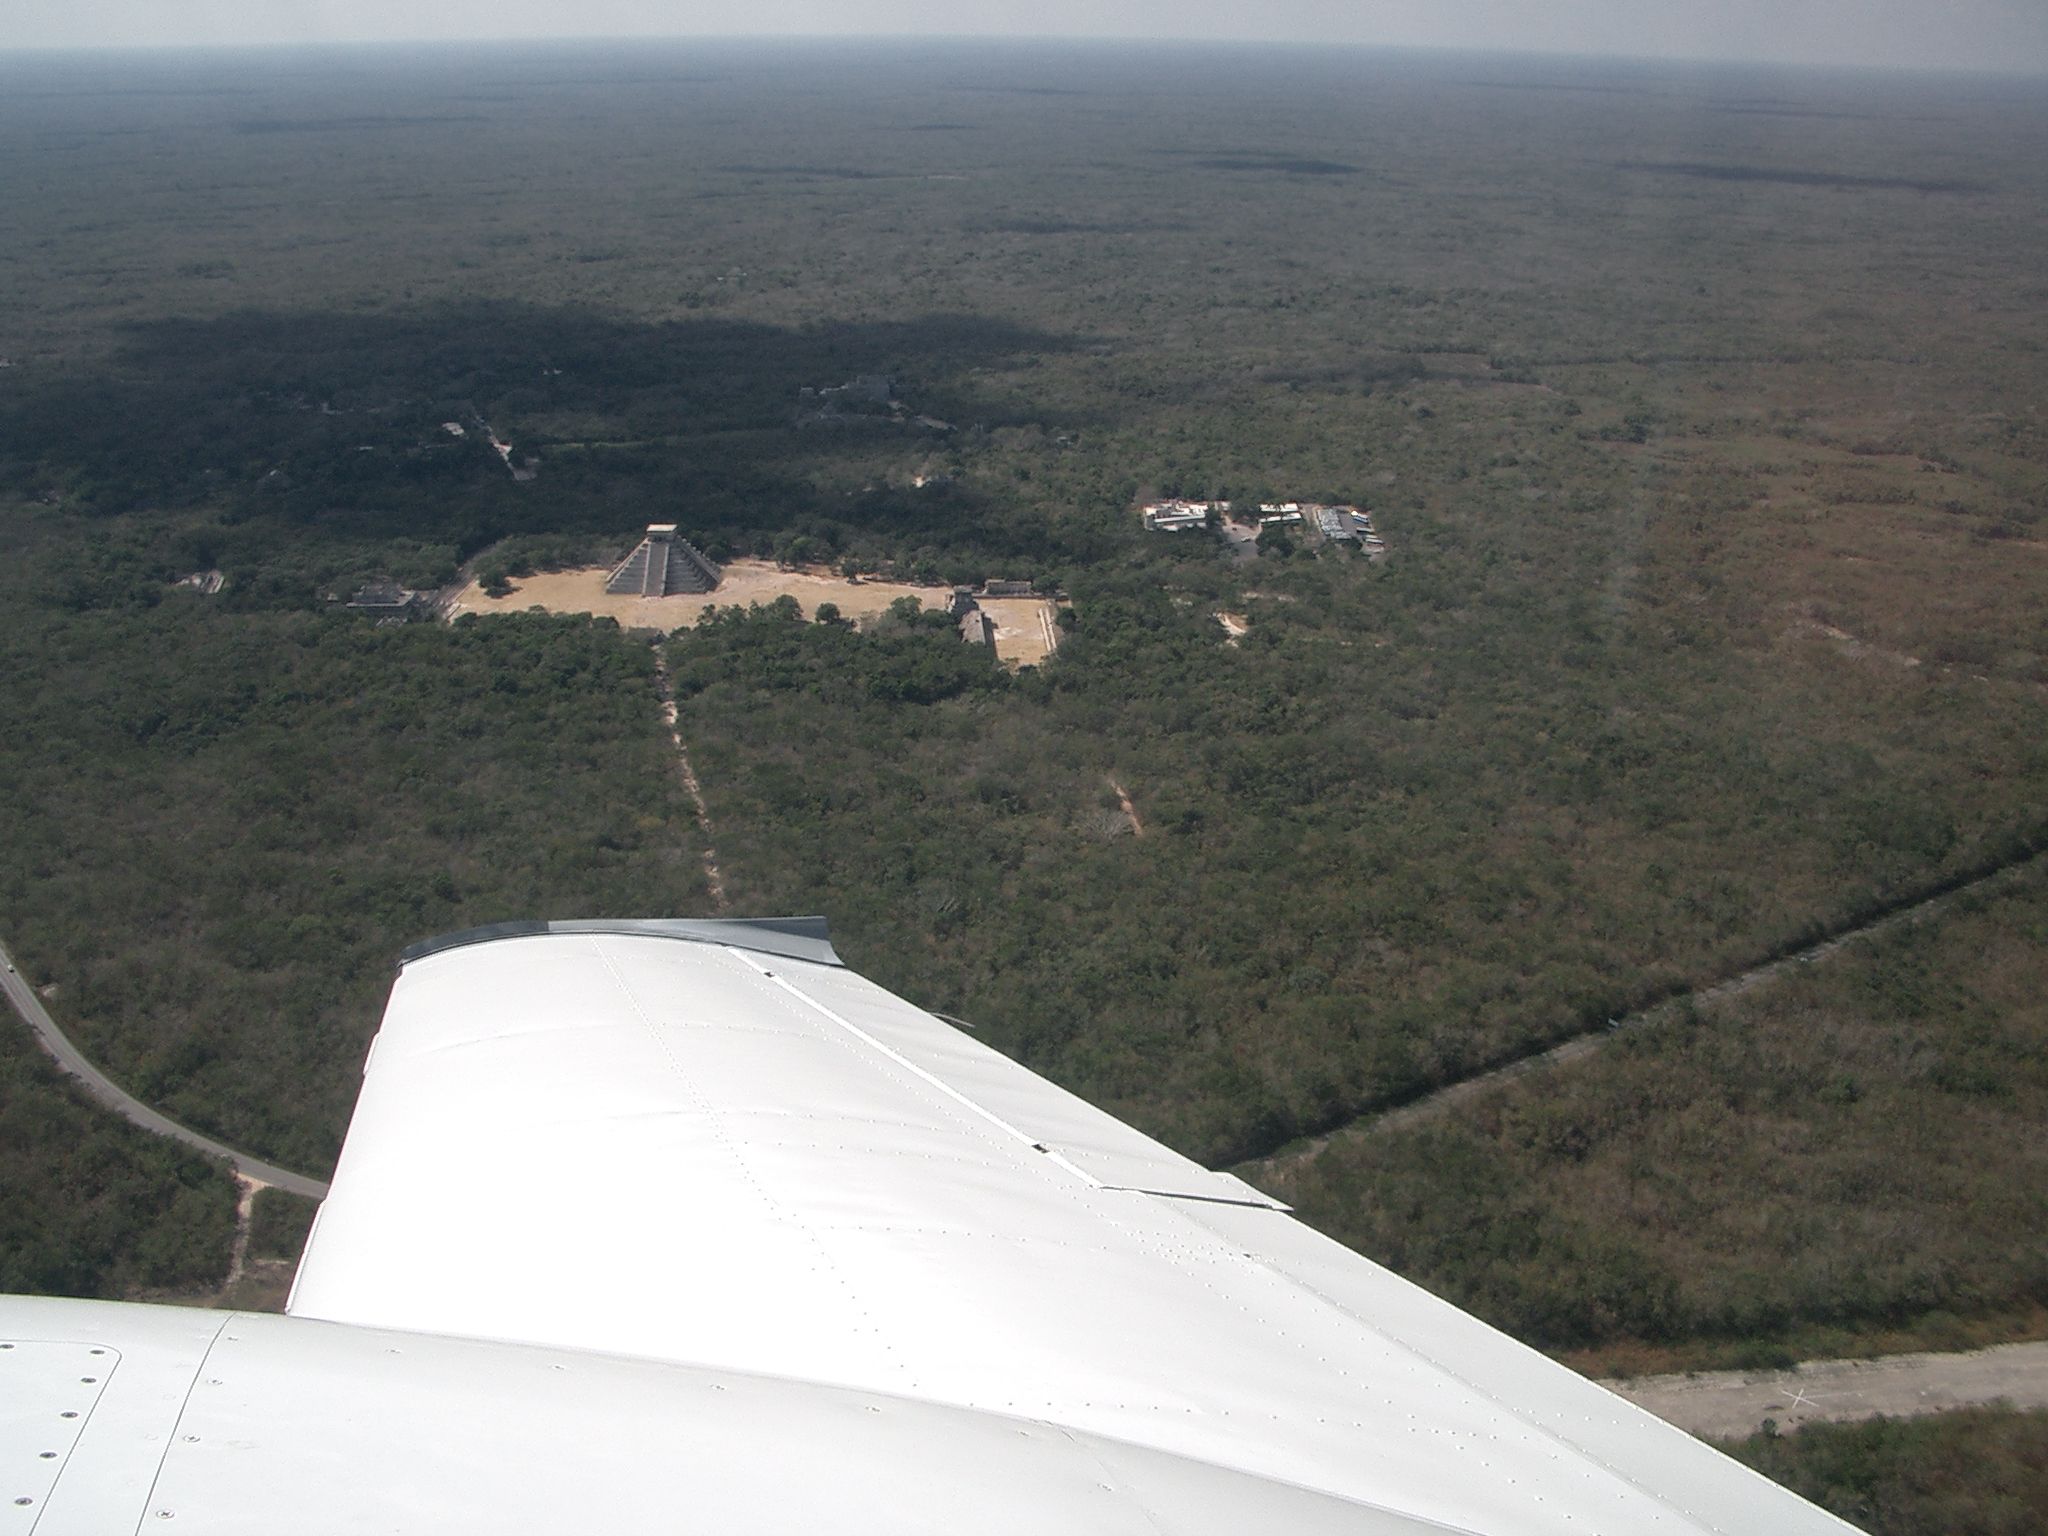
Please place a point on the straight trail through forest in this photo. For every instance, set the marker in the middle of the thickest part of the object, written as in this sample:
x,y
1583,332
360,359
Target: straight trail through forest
x,y
1279,1166
671,717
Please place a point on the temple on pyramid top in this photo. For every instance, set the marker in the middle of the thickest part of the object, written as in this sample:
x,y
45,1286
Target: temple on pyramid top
x,y
663,565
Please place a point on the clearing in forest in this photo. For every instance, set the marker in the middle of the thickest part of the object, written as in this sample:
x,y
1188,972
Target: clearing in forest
x,y
1026,628
745,582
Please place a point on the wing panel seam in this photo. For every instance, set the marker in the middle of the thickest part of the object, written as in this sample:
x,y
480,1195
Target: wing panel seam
x,y
921,1074
184,1406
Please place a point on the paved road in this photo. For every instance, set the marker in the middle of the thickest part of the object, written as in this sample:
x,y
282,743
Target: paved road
x,y
1731,1404
104,1090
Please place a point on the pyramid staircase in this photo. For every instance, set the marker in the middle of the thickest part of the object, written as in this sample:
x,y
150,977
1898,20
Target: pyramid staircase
x,y
663,565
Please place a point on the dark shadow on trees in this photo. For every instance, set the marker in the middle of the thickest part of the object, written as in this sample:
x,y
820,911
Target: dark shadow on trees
x,y
288,426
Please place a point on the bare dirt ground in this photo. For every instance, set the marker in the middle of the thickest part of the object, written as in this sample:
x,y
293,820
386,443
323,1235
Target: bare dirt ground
x,y
1731,1404
1027,628
1236,625
1851,645
1130,810
746,581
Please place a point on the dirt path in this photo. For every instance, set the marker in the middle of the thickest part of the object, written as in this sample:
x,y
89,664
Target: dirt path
x,y
251,1284
665,686
1279,1164
1731,1404
1130,810
245,1216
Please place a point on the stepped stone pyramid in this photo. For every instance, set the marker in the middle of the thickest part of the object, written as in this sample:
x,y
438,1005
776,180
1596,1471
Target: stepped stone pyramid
x,y
663,565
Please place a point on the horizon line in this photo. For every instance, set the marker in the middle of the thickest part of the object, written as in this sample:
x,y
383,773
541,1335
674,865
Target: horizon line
x,y
1984,71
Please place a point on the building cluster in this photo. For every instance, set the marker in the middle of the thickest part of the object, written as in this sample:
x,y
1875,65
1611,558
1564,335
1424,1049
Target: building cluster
x,y
1178,516
1352,524
1344,524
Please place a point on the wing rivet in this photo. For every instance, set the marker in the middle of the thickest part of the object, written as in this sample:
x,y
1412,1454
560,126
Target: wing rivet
x,y
46,1456
68,1413
163,1514
24,1501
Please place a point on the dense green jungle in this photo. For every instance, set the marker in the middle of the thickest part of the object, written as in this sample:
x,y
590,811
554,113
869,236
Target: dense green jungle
x,y
1980,1471
1700,409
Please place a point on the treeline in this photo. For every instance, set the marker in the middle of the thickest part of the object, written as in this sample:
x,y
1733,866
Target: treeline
x,y
913,656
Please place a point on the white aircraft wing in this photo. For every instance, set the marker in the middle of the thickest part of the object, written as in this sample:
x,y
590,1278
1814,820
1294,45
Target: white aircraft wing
x,y
714,1146
670,1227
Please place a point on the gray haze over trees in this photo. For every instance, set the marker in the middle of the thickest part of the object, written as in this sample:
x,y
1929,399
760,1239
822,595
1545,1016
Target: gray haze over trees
x,y
2001,35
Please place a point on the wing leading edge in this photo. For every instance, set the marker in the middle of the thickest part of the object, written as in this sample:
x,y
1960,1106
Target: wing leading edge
x,y
682,1150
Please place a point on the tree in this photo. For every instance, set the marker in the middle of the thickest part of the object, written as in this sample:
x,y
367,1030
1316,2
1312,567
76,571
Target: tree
x,y
1274,540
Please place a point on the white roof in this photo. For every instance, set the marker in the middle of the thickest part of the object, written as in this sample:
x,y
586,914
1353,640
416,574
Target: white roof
x,y
695,1153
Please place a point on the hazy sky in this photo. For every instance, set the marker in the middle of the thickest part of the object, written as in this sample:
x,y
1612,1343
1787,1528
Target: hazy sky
x,y
1983,34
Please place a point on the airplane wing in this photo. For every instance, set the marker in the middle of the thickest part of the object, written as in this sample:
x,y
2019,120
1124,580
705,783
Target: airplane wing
x,y
632,1214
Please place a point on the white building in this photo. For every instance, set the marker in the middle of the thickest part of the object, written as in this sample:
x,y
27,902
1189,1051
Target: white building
x,y
1176,516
